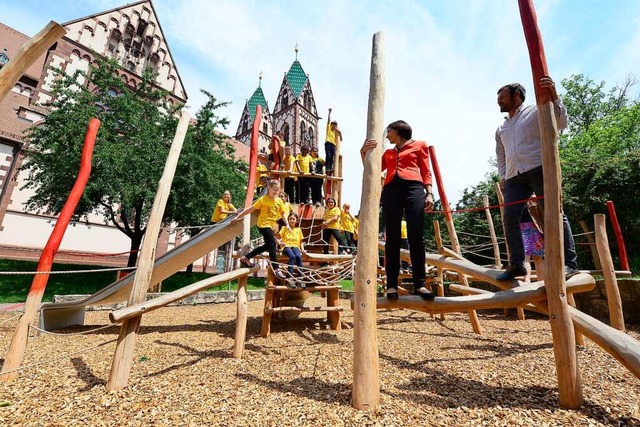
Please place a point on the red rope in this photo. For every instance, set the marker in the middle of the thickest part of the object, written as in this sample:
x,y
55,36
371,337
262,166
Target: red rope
x,y
488,207
88,254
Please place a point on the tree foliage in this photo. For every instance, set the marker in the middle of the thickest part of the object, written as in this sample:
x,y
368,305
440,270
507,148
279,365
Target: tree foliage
x,y
138,125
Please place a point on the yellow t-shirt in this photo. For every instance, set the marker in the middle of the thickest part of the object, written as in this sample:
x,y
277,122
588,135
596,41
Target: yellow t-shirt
x,y
270,211
331,135
348,222
303,161
261,171
287,209
217,215
291,239
329,214
403,229
288,162
356,224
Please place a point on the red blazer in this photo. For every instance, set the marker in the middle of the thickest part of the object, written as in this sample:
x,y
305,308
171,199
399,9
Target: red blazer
x,y
411,162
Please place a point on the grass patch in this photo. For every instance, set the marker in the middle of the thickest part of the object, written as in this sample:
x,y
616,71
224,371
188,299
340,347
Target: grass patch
x,y
14,288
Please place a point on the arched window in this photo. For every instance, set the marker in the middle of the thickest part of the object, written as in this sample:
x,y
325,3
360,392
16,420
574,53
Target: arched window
x,y
311,136
303,133
285,130
307,100
285,100
245,125
265,128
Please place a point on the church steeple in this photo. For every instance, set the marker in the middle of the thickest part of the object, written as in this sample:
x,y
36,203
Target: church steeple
x,y
295,110
243,134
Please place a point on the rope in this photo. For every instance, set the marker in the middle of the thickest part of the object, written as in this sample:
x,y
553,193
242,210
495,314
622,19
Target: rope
x,y
73,333
488,207
10,318
477,235
67,272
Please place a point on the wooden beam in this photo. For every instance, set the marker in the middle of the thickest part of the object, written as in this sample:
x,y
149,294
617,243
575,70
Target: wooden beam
x,y
366,379
492,232
144,307
123,357
241,318
592,244
610,282
33,49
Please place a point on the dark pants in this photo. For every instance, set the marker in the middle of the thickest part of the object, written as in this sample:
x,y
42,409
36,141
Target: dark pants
x,y
304,189
404,197
268,245
330,154
316,189
295,258
326,236
290,188
404,244
348,239
521,187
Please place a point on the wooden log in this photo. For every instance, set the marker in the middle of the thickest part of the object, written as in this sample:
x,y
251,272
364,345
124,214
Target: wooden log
x,y
269,295
241,318
572,302
18,345
333,309
144,307
592,244
621,346
123,357
366,380
569,386
576,284
492,232
33,49
329,310
614,302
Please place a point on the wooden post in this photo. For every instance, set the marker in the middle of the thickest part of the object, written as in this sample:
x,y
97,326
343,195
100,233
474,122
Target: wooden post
x,y
455,245
564,344
492,232
519,310
366,379
592,244
27,55
19,341
123,356
622,250
608,272
438,238
241,318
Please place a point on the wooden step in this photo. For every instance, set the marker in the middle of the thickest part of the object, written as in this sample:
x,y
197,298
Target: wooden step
x,y
302,309
308,288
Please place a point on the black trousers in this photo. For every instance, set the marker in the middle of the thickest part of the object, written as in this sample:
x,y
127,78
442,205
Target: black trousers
x,y
316,189
329,154
304,189
348,239
269,244
290,185
326,236
401,197
521,187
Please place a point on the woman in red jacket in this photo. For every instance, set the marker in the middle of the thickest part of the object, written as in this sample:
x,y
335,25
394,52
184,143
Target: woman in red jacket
x,y
406,190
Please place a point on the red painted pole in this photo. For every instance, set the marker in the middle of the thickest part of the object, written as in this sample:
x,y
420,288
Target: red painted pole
x,y
436,173
622,250
253,157
34,298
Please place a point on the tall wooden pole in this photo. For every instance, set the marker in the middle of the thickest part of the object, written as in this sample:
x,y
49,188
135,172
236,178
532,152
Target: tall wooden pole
x,y
123,357
564,343
38,285
27,55
366,379
608,272
492,232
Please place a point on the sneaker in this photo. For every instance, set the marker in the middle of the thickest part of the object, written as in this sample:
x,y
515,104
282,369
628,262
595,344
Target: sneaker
x,y
570,271
511,273
244,262
317,204
279,274
291,284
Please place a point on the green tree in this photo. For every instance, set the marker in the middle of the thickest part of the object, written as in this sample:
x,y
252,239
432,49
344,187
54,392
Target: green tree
x,y
138,124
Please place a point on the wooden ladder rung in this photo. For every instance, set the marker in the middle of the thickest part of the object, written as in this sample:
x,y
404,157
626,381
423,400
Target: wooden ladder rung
x,y
301,309
308,288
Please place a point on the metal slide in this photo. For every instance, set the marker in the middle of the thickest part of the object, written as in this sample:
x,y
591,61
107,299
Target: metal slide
x,y
60,315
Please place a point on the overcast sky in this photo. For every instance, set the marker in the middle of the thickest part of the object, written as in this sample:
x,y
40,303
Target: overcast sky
x,y
445,60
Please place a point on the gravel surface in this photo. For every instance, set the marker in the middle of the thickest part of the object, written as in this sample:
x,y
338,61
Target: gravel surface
x,y
432,372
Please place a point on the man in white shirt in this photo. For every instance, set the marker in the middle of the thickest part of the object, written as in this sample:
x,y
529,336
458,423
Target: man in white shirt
x,y
519,155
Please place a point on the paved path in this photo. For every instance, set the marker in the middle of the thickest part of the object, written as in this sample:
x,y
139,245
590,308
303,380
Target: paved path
x,y
16,306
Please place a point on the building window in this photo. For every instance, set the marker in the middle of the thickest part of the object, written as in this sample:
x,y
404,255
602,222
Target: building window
x,y
285,100
112,48
285,130
131,66
3,57
265,128
311,136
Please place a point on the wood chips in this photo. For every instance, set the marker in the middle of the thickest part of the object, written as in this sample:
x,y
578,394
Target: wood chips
x,y
432,372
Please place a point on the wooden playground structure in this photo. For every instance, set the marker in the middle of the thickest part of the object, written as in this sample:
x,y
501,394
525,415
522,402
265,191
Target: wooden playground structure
x,y
550,294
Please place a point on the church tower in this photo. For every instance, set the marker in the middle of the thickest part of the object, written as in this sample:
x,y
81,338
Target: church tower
x,y
295,110
243,134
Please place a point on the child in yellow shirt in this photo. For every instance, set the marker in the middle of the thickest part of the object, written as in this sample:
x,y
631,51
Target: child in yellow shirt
x,y
331,226
291,239
223,208
348,223
271,208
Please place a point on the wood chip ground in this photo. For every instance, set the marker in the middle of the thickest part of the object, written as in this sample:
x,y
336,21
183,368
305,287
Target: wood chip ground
x,y
433,373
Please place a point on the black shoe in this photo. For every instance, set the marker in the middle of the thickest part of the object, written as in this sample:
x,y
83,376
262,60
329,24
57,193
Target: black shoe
x,y
511,273
570,271
424,294
392,295
244,262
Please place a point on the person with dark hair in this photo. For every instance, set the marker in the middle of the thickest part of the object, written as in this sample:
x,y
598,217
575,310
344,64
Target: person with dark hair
x,y
331,141
348,223
291,239
519,155
331,226
406,191
303,165
290,182
316,166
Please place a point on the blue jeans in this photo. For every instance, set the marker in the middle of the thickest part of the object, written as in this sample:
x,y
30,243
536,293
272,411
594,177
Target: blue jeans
x,y
330,154
295,258
521,187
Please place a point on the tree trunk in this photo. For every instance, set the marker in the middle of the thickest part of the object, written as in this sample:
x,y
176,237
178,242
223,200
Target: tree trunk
x,y
135,247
